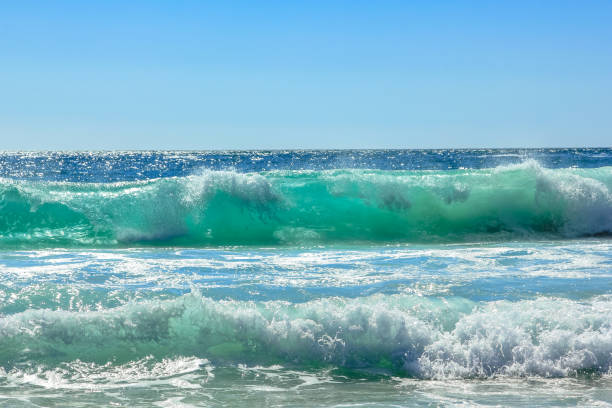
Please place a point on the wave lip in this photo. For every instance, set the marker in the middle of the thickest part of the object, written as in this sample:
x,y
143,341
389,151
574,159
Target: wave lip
x,y
405,335
216,208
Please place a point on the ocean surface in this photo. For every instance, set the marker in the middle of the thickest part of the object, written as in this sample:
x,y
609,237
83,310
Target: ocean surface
x,y
373,278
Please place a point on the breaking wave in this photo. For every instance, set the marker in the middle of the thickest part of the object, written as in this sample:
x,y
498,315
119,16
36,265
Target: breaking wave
x,y
405,335
215,208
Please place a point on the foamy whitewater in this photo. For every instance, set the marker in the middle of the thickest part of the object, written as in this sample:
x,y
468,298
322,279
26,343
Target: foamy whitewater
x,y
306,278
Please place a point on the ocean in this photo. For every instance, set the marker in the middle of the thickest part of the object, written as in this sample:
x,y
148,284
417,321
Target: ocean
x,y
329,278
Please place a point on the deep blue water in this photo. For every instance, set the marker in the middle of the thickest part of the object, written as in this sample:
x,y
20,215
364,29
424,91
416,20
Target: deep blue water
x,y
130,166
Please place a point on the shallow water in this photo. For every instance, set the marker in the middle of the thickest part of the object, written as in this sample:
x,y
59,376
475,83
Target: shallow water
x,y
515,315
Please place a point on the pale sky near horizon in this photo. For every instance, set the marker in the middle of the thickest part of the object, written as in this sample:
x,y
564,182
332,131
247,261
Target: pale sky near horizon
x,y
320,74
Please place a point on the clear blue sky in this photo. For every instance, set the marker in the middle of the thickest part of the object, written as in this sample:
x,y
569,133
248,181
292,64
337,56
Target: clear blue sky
x,y
329,74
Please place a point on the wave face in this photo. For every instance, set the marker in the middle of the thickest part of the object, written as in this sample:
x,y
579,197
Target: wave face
x,y
406,335
216,208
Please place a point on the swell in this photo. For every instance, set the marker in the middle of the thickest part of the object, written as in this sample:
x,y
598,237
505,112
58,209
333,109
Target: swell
x,y
403,335
216,208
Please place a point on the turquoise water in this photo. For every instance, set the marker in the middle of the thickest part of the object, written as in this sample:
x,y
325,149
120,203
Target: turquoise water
x,y
288,207
293,286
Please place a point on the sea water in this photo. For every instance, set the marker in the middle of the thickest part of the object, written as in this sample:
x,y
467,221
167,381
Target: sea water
x,y
306,278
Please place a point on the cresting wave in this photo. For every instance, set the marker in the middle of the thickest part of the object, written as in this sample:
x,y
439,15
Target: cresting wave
x,y
401,334
310,207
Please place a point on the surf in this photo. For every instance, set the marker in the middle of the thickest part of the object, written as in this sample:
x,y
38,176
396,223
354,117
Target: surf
x,y
401,334
284,207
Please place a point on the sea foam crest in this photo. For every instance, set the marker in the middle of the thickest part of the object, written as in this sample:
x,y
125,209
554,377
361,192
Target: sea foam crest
x,y
404,334
585,202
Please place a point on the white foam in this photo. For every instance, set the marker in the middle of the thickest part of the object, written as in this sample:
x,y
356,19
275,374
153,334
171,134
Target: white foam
x,y
428,337
181,372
